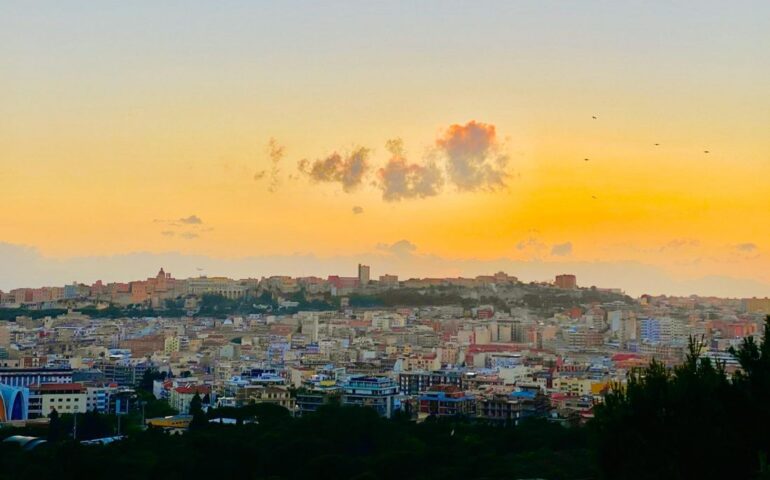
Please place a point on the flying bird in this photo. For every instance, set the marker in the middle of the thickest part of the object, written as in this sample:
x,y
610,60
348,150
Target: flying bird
x,y
706,151
657,144
594,117
586,159
594,197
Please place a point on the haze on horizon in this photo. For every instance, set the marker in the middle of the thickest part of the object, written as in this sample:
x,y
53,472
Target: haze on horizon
x,y
257,138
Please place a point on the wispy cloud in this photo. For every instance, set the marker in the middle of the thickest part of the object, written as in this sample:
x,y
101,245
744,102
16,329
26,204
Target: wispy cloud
x,y
358,210
680,243
532,244
276,153
186,227
191,220
746,247
401,248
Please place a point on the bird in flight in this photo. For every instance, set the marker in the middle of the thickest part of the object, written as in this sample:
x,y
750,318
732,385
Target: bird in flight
x,y
586,159
706,151
594,117
594,197
657,144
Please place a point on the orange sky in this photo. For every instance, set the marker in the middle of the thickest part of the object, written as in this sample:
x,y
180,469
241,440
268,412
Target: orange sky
x,y
113,131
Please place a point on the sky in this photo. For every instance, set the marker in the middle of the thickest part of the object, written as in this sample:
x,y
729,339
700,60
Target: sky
x,y
624,141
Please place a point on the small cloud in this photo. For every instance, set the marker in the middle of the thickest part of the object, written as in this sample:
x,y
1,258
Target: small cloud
x,y
348,170
191,220
276,153
474,161
530,243
402,248
189,235
562,249
358,210
400,179
680,243
746,247
167,233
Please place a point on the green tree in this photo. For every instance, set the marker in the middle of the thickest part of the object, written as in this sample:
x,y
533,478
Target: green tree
x,y
196,410
54,426
665,422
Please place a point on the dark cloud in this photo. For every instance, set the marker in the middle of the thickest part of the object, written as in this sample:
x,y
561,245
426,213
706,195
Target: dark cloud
x,y
474,160
191,220
358,210
400,179
562,249
348,170
746,247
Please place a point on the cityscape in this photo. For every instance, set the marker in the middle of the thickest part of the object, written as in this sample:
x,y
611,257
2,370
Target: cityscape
x,y
340,240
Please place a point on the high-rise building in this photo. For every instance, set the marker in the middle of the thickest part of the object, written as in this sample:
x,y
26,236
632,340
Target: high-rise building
x,y
363,275
649,330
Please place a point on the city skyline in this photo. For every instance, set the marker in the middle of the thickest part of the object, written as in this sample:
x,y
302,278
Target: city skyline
x,y
623,142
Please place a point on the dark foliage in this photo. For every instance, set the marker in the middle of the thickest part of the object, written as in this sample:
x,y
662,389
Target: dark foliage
x,y
689,422
334,443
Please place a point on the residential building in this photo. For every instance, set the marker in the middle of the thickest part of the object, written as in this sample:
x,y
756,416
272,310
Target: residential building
x,y
64,397
380,393
447,400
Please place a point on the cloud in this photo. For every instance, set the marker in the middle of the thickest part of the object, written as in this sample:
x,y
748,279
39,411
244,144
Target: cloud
x,y
276,153
531,243
400,179
191,220
188,227
562,249
401,248
474,161
349,170
746,247
680,243
358,210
